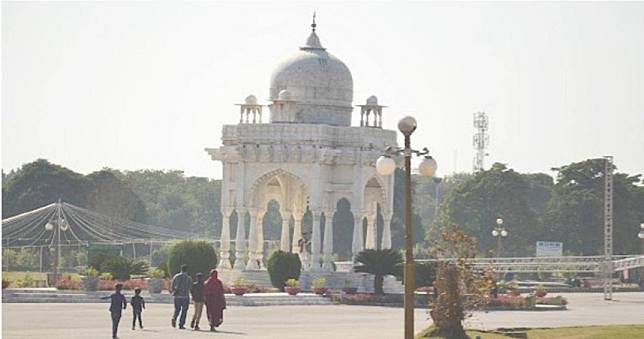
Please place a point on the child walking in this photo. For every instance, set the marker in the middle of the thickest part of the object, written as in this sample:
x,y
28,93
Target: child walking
x,y
117,304
197,297
138,304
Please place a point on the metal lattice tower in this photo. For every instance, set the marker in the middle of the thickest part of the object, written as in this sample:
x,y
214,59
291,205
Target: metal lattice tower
x,y
481,140
608,227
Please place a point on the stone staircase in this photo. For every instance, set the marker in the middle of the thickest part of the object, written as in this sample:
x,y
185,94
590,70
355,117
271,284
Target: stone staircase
x,y
51,295
334,280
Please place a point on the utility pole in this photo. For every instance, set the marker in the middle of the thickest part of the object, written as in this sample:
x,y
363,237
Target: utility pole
x,y
481,140
608,228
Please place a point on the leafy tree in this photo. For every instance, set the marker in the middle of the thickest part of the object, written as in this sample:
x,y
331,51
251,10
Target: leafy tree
x,y
283,266
113,197
173,200
122,268
40,183
379,263
477,202
199,255
574,213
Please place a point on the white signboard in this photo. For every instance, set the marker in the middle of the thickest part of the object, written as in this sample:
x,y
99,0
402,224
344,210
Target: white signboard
x,y
549,249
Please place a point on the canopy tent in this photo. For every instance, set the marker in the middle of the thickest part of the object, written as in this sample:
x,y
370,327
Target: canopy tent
x,y
78,226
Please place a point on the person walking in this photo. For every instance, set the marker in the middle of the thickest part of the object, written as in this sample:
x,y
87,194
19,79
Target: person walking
x,y
117,304
197,297
138,304
180,289
213,292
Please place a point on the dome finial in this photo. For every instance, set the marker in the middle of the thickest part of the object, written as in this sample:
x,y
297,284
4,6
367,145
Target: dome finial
x,y
313,25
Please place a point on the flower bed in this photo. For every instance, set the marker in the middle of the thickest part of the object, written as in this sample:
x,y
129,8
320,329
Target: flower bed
x,y
69,284
511,302
131,284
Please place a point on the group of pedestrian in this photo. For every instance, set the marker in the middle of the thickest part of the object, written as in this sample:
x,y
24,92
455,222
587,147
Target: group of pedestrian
x,y
209,293
118,303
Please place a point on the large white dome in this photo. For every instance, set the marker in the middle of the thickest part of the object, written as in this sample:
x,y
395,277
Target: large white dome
x,y
320,84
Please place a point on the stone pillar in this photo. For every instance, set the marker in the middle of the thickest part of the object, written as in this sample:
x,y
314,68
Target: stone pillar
x,y
357,244
259,248
315,241
386,232
372,231
327,264
240,240
224,256
297,232
252,240
285,238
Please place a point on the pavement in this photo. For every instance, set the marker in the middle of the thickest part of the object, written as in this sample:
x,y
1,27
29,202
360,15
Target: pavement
x,y
289,322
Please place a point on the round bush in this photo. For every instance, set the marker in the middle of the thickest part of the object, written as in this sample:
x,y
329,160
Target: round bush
x,y
200,256
283,266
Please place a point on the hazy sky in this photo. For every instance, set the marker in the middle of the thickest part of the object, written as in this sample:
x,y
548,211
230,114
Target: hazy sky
x,y
149,85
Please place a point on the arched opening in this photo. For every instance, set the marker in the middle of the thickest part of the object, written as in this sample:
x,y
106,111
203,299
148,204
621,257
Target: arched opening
x,y
343,230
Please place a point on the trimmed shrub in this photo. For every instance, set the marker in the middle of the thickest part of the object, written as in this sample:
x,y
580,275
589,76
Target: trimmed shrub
x,y
283,266
200,256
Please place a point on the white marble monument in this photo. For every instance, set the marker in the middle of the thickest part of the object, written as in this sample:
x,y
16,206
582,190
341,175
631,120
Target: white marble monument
x,y
307,157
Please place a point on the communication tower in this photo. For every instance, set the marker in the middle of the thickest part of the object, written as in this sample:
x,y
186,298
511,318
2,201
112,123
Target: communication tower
x,y
481,140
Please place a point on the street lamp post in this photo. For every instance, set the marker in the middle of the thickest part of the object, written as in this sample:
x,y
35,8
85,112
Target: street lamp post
x,y
385,165
57,226
499,232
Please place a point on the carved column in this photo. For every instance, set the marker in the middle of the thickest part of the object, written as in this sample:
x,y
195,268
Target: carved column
x,y
297,232
357,245
386,232
259,248
225,238
240,240
252,240
315,241
285,238
327,264
372,233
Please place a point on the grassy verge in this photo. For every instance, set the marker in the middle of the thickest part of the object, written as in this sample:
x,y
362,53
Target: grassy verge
x,y
581,332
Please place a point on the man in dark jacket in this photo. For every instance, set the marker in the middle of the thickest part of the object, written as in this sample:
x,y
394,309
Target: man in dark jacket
x,y
138,304
117,304
180,289
197,298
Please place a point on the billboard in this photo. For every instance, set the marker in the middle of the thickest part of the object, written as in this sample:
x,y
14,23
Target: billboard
x,y
549,249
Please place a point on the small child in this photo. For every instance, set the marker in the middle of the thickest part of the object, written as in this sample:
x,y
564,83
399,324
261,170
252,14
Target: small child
x,y
138,304
117,304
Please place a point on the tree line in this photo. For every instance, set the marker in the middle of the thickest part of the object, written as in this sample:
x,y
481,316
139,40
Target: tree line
x,y
162,198
566,208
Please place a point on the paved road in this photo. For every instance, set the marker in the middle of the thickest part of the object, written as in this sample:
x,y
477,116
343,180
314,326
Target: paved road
x,y
290,322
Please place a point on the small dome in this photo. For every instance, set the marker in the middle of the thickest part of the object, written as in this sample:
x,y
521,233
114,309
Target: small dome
x,y
372,100
251,100
284,95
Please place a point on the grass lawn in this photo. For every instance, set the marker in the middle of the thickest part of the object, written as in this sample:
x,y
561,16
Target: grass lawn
x,y
12,276
582,332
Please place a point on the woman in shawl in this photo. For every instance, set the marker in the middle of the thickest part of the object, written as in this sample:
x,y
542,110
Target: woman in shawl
x,y
213,292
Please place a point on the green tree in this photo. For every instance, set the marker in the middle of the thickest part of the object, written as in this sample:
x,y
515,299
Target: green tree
x,y
575,216
173,200
39,183
199,255
283,266
379,263
113,197
477,202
